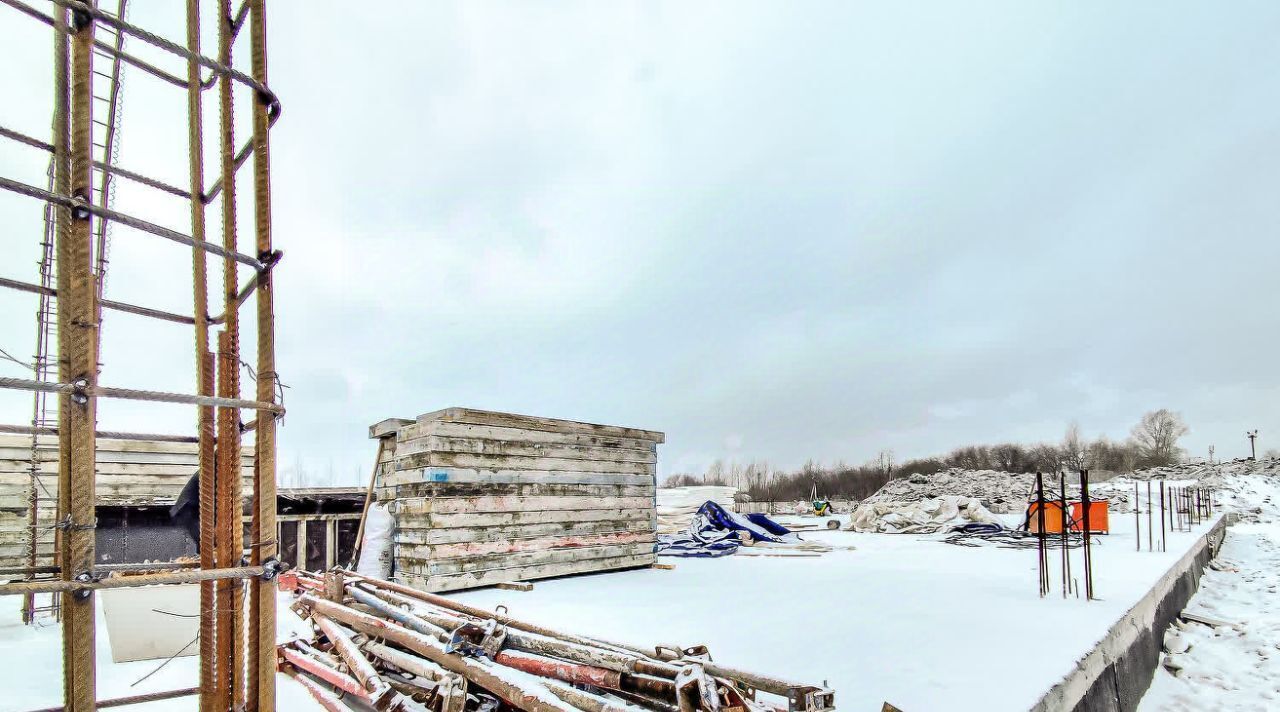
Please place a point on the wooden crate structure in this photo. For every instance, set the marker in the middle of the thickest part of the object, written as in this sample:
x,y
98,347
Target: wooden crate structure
x,y
130,473
316,526
482,497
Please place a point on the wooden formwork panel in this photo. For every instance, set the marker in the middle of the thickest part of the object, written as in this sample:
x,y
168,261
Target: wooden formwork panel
x,y
483,497
475,579
127,473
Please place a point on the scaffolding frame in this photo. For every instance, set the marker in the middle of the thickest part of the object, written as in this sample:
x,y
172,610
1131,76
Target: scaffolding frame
x,y
237,650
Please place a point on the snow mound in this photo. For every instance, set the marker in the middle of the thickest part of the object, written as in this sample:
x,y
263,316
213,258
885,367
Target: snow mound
x,y
923,517
998,492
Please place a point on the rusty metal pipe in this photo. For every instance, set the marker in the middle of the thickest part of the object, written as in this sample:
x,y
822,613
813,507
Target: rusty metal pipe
x,y
575,673
327,699
341,681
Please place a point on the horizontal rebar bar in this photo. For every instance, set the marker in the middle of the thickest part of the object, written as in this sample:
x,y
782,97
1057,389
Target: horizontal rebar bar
x,y
172,577
241,298
129,220
135,699
267,96
26,384
113,170
106,303
105,47
107,434
153,566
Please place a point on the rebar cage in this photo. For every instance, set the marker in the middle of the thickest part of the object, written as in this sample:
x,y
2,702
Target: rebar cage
x,y
237,641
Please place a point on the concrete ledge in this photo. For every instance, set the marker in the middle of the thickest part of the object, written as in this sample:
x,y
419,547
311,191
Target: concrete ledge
x,y
1116,673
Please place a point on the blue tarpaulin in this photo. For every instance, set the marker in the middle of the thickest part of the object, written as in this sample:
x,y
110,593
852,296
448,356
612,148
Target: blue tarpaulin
x,y
714,531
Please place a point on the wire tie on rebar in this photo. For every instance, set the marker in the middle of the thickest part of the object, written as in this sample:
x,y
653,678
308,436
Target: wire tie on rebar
x,y
271,568
80,207
80,19
269,259
80,393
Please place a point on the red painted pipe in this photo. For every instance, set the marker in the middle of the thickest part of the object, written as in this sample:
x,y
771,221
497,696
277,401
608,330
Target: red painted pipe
x,y
327,699
346,683
560,669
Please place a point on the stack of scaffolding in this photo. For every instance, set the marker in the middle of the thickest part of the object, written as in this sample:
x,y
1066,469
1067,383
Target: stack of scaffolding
x,y
483,497
377,644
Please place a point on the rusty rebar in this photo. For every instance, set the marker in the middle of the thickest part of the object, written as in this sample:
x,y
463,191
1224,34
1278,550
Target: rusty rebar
x,y
262,635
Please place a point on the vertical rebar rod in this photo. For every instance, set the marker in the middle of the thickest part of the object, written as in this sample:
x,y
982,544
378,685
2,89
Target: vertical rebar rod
x,y
1150,526
228,370
1163,542
1087,544
263,633
1040,535
227,472
62,219
78,359
1066,527
1137,522
204,370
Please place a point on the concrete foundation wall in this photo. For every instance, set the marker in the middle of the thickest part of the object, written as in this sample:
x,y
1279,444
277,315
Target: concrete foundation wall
x,y
1114,675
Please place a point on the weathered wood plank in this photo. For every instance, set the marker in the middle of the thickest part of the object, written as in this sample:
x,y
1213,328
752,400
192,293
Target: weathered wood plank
x,y
538,489
519,462
440,535
475,446
456,474
498,519
438,553
488,578
518,560
409,506
473,416
490,432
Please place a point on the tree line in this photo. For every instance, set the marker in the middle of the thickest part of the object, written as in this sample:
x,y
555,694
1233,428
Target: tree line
x,y
1152,442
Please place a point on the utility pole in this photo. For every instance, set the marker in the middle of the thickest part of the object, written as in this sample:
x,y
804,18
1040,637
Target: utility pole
x,y
1253,451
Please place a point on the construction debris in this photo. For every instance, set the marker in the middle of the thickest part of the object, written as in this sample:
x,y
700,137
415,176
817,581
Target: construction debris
x,y
395,648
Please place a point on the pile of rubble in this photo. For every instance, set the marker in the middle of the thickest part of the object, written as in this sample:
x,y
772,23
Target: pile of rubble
x,y
1207,473
381,645
998,492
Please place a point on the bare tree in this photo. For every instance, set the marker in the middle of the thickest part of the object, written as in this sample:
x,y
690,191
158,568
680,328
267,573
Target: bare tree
x,y
1075,453
1156,436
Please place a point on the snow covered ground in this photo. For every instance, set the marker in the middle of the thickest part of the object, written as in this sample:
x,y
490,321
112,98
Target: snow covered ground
x,y
1234,667
31,667
901,618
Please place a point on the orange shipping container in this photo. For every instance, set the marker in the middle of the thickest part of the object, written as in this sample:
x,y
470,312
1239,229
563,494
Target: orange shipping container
x,y
1053,523
1098,509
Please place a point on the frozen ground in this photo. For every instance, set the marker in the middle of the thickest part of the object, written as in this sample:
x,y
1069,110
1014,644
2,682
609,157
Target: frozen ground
x,y
31,668
902,618
1235,667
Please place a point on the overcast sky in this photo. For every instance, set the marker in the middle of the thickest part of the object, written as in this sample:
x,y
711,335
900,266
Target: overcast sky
x,y
774,231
